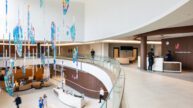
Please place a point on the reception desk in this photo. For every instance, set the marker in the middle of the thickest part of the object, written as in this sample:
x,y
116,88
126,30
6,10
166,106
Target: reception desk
x,y
157,66
164,66
172,66
69,99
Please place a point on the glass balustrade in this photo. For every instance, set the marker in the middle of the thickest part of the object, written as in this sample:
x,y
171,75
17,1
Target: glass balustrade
x,y
114,97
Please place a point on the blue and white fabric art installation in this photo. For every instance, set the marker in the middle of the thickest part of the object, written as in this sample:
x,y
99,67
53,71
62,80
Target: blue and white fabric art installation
x,y
6,12
65,4
42,59
9,81
17,36
42,3
30,28
53,40
72,32
53,34
32,35
75,55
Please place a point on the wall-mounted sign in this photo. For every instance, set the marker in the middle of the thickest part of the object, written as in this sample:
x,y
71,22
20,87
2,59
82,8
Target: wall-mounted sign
x,y
183,52
177,46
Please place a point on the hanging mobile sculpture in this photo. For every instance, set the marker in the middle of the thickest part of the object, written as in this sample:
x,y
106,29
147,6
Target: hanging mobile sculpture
x,y
30,28
75,55
75,60
65,4
53,42
6,12
17,36
9,78
41,3
72,32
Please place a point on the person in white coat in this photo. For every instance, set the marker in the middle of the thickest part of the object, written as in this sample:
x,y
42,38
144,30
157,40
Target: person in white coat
x,y
101,94
45,102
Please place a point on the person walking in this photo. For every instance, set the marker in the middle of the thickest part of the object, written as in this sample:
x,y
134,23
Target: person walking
x,y
41,103
92,55
150,60
101,94
18,101
45,101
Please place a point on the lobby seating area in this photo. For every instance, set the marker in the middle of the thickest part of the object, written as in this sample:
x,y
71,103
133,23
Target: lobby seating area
x,y
26,81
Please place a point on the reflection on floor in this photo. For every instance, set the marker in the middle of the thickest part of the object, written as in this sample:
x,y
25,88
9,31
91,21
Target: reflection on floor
x,y
152,90
185,75
30,99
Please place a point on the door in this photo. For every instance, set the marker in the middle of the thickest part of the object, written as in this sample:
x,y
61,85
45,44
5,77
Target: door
x,y
115,52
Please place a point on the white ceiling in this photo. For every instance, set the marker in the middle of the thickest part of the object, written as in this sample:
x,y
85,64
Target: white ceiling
x,y
166,36
183,16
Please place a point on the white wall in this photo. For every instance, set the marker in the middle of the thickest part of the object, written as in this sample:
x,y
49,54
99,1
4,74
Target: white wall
x,y
108,18
105,50
41,18
96,19
101,49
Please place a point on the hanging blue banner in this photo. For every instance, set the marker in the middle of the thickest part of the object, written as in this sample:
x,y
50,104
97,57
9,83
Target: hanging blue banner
x,y
17,36
65,4
32,35
75,55
53,34
9,85
42,3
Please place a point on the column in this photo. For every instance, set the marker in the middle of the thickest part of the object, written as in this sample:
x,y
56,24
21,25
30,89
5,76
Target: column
x,y
105,50
143,51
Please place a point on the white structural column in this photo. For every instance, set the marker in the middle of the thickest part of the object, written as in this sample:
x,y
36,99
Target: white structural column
x,y
105,49
101,49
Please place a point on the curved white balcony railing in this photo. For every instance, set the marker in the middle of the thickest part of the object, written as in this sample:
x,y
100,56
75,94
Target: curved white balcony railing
x,y
107,70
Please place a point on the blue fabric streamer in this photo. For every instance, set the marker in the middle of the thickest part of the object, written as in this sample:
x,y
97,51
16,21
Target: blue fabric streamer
x,y
41,3
8,81
73,32
32,35
23,70
6,11
17,36
66,4
6,6
43,59
53,34
75,55
28,22
12,63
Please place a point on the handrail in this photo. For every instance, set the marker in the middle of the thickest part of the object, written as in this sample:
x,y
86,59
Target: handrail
x,y
123,89
114,67
91,90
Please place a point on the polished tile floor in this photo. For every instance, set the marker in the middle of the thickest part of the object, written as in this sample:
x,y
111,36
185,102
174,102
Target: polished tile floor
x,y
30,99
142,90
152,90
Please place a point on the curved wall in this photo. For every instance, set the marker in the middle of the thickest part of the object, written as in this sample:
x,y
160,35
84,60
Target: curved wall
x,y
110,18
86,83
91,69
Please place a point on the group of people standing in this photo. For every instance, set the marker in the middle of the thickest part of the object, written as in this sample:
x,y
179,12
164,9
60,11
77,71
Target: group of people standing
x,y
43,102
168,57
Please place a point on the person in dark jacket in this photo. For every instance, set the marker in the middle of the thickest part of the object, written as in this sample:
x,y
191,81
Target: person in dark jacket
x,y
18,101
169,56
92,55
150,59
